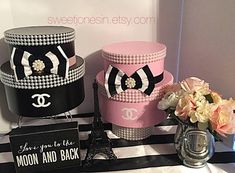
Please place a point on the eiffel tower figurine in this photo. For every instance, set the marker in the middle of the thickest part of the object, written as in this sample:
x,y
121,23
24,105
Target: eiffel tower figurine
x,y
99,143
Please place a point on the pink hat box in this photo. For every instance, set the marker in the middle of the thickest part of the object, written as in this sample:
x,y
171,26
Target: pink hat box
x,y
132,113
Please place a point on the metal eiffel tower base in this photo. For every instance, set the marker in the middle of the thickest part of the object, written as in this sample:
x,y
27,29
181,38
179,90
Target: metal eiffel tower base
x,y
99,145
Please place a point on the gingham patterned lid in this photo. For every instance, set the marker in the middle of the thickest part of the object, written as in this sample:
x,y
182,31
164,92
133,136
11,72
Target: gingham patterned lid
x,y
134,52
40,82
39,35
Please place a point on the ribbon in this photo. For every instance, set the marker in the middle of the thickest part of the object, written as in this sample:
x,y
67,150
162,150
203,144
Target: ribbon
x,y
25,64
116,81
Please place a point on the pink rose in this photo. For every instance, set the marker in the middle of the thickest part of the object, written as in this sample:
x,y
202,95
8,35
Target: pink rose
x,y
195,84
216,97
185,106
172,88
223,118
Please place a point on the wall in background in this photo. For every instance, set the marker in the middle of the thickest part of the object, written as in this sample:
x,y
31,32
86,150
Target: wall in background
x,y
97,23
200,41
168,32
208,43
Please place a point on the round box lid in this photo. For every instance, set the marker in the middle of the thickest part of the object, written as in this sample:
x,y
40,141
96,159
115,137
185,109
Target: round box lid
x,y
134,52
39,35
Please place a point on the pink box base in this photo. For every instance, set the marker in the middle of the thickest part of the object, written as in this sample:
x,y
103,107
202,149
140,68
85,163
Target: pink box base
x,y
132,115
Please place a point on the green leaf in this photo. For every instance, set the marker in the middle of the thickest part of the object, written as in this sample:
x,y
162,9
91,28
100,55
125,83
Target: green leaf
x,y
209,98
217,137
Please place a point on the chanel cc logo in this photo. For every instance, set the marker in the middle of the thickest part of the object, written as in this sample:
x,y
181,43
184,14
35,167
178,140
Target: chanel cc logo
x,y
129,114
41,100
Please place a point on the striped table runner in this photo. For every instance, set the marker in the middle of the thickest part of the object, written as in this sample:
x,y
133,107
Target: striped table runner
x,y
154,154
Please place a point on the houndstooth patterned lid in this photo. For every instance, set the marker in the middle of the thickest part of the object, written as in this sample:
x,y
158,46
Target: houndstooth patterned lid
x,y
40,82
134,52
39,35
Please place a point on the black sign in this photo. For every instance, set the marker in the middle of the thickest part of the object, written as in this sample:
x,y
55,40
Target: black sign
x,y
45,148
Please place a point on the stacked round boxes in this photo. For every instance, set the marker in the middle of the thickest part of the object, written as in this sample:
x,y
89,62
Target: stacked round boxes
x,y
44,77
130,87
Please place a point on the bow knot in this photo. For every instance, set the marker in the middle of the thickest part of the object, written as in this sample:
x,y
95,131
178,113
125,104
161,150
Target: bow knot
x,y
38,65
130,82
116,81
25,64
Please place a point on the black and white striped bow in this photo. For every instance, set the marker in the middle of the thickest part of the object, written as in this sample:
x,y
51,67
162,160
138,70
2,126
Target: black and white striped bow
x,y
116,81
25,64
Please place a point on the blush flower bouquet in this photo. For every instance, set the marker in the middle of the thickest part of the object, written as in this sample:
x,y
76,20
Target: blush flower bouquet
x,y
192,101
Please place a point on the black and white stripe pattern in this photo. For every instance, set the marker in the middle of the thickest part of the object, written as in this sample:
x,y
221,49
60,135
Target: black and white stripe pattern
x,y
42,82
20,63
56,62
154,154
115,80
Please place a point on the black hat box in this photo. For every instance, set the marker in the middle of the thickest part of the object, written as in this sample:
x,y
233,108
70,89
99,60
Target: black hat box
x,y
40,95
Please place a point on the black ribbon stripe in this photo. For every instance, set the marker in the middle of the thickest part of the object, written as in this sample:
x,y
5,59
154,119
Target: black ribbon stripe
x,y
158,78
111,81
49,66
17,56
62,60
123,85
150,77
137,80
